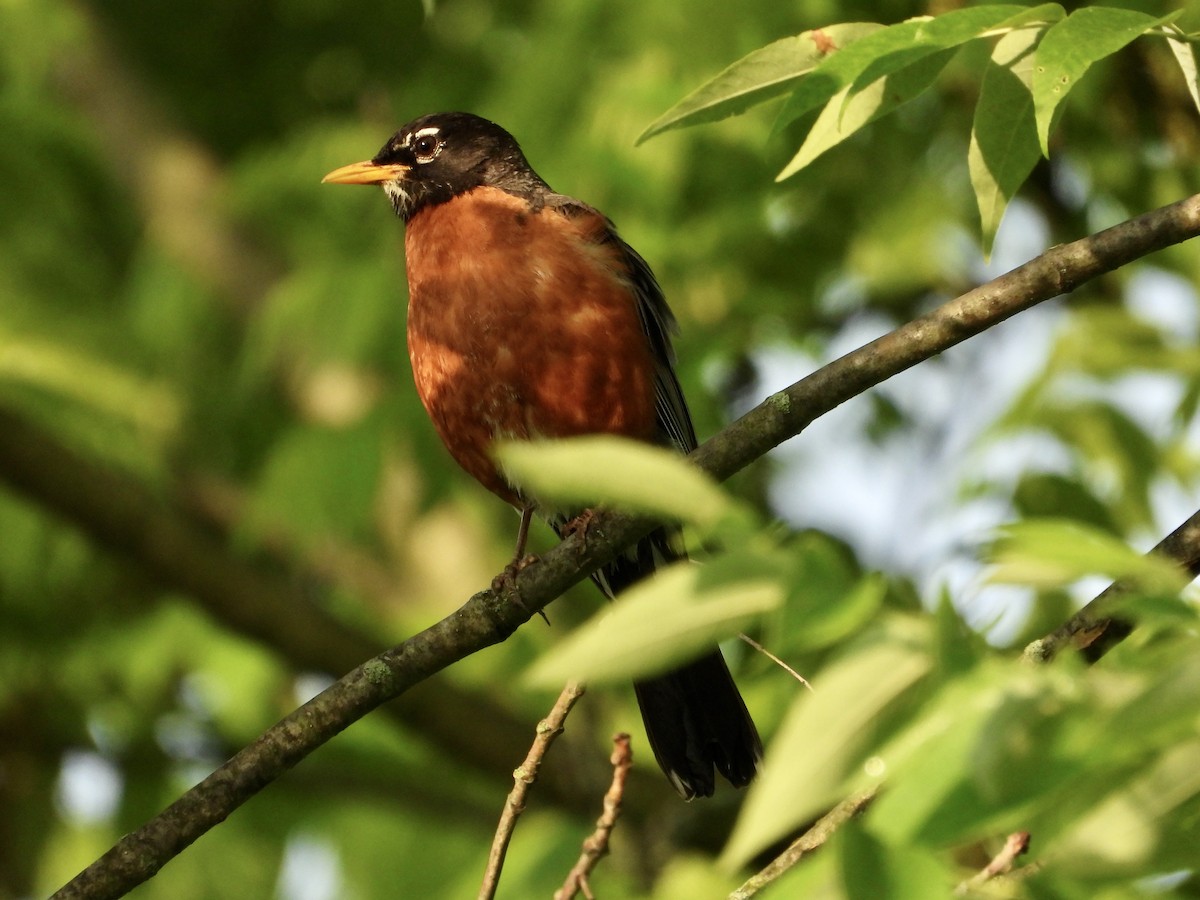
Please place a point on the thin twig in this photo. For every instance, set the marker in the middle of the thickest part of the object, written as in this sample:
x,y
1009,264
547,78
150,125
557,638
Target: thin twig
x,y
595,846
523,778
816,836
775,659
1016,844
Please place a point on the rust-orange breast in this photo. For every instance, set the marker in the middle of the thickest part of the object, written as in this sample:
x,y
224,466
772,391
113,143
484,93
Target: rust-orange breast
x,y
522,324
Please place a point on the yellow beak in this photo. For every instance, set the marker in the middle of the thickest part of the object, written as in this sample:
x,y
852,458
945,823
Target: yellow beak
x,y
366,172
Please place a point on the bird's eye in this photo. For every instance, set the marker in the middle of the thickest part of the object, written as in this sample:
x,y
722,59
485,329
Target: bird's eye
x,y
425,148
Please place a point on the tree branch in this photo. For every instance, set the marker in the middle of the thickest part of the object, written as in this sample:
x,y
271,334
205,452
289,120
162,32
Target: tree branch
x,y
1058,271
488,618
121,515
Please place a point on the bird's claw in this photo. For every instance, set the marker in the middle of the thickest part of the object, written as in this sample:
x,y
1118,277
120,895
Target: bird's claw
x,y
505,582
579,525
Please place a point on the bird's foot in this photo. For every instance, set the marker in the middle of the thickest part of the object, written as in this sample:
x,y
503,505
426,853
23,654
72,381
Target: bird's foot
x,y
506,582
579,525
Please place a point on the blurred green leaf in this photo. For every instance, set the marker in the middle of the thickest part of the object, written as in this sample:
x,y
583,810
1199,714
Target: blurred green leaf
x,y
890,254
811,620
959,647
149,405
999,749
826,730
934,786
630,475
1111,448
1108,342
1049,495
1164,710
1122,832
328,310
682,611
872,869
1053,552
930,765
318,481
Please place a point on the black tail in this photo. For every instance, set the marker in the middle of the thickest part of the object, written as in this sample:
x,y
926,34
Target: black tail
x,y
694,716
695,719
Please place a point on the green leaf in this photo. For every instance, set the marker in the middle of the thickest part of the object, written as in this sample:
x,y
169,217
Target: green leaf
x,y
871,868
1051,495
682,611
1164,712
827,729
1185,55
959,647
896,47
928,764
819,624
981,748
1069,49
629,475
1054,552
853,108
759,76
95,383
1108,442
1108,342
1004,147
317,482
1122,831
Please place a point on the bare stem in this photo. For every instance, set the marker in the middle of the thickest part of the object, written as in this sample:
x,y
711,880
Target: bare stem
x,y
523,778
595,846
815,837
1015,845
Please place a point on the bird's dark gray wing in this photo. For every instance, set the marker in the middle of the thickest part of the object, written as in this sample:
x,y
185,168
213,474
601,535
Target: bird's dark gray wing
x,y
695,718
658,323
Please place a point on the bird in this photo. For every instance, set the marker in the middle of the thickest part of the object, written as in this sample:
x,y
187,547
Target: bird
x,y
530,318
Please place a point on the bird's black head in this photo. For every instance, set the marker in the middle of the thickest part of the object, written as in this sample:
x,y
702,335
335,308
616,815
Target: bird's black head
x,y
437,157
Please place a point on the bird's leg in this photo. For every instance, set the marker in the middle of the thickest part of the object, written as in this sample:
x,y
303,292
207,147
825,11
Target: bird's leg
x,y
520,560
523,532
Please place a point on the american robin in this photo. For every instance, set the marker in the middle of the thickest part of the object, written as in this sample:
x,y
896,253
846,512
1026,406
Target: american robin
x,y
529,317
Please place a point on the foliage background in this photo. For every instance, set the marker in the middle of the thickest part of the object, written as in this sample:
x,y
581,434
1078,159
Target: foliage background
x,y
181,302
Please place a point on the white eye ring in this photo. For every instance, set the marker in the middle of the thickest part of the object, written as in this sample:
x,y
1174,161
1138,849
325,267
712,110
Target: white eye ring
x,y
426,145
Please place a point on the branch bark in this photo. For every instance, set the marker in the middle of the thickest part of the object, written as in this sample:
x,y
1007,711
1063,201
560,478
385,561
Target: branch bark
x,y
120,515
488,617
